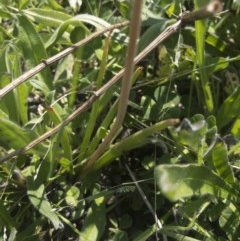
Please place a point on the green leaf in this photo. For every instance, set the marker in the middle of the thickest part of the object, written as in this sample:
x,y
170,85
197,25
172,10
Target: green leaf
x,y
9,100
62,28
33,48
11,65
200,27
194,208
219,44
72,196
63,135
4,12
221,162
136,140
66,22
96,109
124,7
37,197
216,64
23,3
56,18
190,133
95,222
21,92
235,131
55,5
152,32
22,95
183,181
229,221
47,17
229,110
15,137
153,107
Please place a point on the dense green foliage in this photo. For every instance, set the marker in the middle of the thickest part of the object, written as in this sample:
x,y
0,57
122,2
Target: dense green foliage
x,y
189,173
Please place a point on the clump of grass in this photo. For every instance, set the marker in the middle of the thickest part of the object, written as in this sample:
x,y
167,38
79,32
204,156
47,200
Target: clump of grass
x,y
70,163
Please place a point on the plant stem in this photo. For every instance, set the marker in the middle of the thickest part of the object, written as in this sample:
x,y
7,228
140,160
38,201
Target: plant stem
x,y
126,82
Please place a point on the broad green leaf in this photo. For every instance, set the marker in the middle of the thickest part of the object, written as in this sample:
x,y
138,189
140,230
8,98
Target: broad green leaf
x,y
195,134
62,28
229,110
62,21
153,107
56,18
165,61
47,17
97,22
38,198
183,181
13,136
221,162
152,32
33,48
229,221
190,133
17,105
15,102
39,85
95,222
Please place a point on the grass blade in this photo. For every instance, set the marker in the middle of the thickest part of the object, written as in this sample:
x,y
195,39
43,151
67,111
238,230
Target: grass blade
x,y
200,27
33,48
